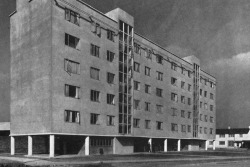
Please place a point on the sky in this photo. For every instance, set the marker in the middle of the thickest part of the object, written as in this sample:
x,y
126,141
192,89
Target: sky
x,y
215,31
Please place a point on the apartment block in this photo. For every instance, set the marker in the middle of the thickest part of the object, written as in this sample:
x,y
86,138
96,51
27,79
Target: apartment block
x,y
83,82
232,138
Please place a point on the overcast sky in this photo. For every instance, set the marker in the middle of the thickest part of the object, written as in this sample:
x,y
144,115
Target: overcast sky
x,y
216,31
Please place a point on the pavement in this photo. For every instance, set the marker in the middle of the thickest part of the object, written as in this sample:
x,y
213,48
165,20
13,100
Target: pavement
x,y
137,159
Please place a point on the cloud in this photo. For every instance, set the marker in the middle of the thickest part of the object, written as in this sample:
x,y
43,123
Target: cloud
x,y
237,64
233,90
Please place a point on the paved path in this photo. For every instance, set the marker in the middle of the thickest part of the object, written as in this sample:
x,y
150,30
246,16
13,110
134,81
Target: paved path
x,y
67,162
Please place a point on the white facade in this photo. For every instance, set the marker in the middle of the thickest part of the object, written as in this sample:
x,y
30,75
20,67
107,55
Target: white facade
x,y
231,138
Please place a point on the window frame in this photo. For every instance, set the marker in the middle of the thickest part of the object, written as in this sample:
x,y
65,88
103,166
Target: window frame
x,y
95,76
96,96
67,115
110,99
67,91
94,119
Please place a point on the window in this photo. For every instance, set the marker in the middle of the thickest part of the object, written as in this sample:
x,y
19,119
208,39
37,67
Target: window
x,y
189,87
147,89
211,119
94,118
137,48
183,99
200,92
72,116
72,91
111,99
241,135
212,85
205,93
221,142
136,67
159,59
173,66
182,85
96,29
183,128
182,113
205,118
71,67
147,124
110,56
110,120
200,117
230,143
189,115
159,76
147,71
110,35
211,96
174,97
200,104
174,112
200,130
231,135
159,125
211,107
211,142
94,73
205,106
72,17
72,41
147,106
158,92
222,135
173,81
211,131
189,101
103,142
183,70
149,56
174,127
189,74
136,85
159,108
136,104
205,130
94,50
189,128
136,123
110,78
94,95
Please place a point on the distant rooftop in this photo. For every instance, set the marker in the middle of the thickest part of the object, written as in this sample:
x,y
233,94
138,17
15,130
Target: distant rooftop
x,y
232,131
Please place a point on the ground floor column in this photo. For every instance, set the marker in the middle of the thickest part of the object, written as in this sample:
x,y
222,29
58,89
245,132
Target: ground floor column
x,y
179,145
114,145
52,146
165,145
150,144
86,145
30,144
12,145
206,144
214,145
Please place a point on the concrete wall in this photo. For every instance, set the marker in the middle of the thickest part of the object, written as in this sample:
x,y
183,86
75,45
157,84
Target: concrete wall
x,y
31,67
166,115
123,145
207,112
